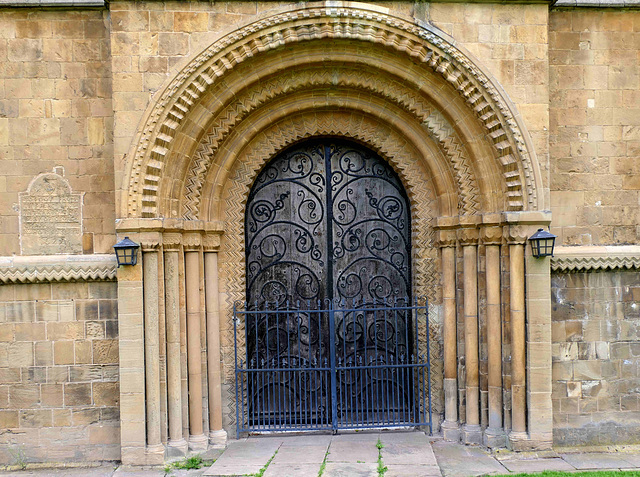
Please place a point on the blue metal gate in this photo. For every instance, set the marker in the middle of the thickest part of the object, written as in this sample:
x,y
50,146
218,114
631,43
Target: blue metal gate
x,y
371,371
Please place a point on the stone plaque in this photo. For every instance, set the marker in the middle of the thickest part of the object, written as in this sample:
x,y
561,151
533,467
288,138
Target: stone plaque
x,y
50,216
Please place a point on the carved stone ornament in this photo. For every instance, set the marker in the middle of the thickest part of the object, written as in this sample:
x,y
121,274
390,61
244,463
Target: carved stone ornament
x,y
171,241
517,234
468,236
579,259
58,268
491,235
419,43
447,238
211,242
191,240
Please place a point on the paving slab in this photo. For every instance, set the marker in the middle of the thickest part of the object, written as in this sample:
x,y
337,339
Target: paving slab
x,y
292,470
313,440
300,455
353,451
252,451
342,469
232,470
409,437
456,460
397,470
408,454
357,437
537,465
633,459
596,461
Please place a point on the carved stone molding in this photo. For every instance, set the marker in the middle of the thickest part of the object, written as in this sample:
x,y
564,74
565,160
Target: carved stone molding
x,y
491,235
400,94
171,241
468,236
447,238
57,268
417,42
516,234
211,242
578,259
191,240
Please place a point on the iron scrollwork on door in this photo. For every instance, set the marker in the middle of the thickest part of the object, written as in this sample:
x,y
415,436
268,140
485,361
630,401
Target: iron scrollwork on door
x,y
327,225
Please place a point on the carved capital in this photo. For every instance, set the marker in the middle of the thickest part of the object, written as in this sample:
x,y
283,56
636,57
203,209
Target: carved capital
x,y
468,236
491,235
171,241
192,241
447,238
211,242
516,234
150,241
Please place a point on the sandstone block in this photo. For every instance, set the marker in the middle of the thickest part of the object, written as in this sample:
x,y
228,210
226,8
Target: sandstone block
x,y
63,352
21,354
106,394
77,394
24,396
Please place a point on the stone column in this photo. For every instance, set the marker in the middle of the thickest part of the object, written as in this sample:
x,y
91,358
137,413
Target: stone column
x,y
131,361
217,435
450,427
152,349
197,439
494,435
177,443
468,238
516,239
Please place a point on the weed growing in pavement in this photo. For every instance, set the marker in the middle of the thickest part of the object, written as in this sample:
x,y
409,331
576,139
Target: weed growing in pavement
x,y
382,469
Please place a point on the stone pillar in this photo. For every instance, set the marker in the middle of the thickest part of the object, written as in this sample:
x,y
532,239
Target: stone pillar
x,y
152,349
450,427
539,382
131,359
217,435
197,439
494,435
468,238
177,444
516,239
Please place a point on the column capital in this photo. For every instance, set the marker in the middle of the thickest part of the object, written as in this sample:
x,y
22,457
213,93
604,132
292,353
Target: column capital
x,y
468,236
447,238
191,241
211,241
491,235
150,241
516,234
171,241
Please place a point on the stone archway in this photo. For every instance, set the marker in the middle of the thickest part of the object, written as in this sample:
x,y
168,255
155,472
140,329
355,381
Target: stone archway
x,y
402,89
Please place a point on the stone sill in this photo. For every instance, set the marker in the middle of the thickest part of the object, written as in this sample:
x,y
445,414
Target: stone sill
x,y
607,257
57,268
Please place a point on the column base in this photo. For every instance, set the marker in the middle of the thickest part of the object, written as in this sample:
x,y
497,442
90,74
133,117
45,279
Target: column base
x,y
218,439
450,431
154,454
472,434
198,443
495,438
177,448
518,441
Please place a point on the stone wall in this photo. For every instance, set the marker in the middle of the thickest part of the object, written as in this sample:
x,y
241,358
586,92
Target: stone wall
x,y
59,372
596,357
595,125
55,110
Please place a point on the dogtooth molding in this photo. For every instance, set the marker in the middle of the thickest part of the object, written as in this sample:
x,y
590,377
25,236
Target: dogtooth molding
x,y
586,258
252,99
417,40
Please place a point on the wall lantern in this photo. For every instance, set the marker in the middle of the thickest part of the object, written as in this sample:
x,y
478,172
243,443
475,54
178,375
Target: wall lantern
x,y
126,252
542,244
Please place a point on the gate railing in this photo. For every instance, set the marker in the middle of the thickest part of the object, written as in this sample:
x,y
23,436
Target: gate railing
x,y
331,366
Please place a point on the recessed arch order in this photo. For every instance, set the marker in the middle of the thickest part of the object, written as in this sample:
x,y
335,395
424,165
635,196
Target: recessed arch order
x,y
425,97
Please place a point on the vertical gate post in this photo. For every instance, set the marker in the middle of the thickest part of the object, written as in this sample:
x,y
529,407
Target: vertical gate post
x,y
332,358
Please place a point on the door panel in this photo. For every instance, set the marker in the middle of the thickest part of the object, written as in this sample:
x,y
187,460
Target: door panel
x,y
328,221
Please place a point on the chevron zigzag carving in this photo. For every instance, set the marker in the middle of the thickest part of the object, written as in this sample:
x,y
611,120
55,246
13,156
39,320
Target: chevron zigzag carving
x,y
577,264
24,270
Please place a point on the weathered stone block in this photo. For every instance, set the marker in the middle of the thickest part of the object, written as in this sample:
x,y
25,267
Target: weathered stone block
x,y
76,394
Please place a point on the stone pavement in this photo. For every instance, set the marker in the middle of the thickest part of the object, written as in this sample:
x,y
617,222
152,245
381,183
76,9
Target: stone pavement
x,y
404,454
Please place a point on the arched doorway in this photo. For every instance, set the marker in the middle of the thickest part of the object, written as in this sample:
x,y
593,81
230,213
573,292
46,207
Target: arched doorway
x,y
329,323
